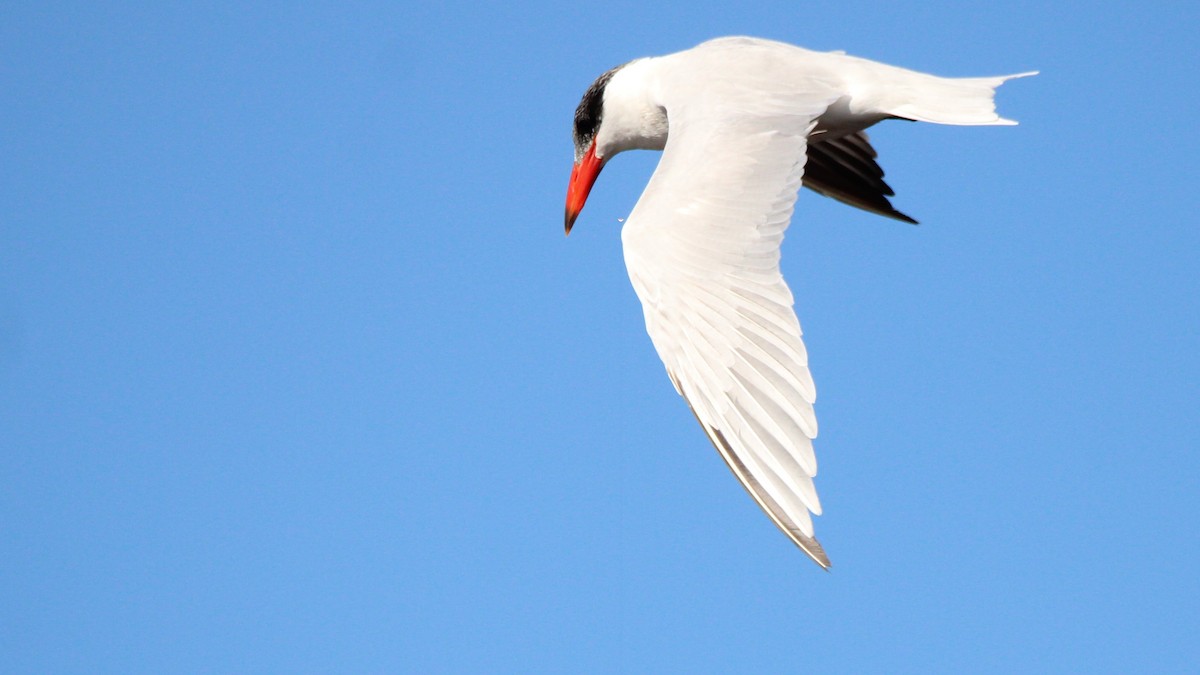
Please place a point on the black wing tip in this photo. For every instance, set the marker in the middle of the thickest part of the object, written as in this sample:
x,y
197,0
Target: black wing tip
x,y
845,169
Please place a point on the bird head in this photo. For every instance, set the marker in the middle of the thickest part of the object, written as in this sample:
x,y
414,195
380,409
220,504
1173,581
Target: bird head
x,y
616,113
587,164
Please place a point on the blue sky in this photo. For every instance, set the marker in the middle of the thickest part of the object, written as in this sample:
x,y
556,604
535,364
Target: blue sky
x,y
298,373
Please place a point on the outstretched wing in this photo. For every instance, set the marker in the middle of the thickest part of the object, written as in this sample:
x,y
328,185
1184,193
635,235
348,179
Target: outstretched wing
x,y
702,250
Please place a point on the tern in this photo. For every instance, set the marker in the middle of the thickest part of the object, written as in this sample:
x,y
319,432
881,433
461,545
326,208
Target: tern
x,y
743,123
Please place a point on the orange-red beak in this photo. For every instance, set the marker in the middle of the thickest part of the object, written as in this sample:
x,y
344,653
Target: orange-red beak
x,y
583,176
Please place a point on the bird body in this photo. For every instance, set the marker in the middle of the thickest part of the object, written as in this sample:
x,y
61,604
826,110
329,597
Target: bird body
x,y
744,123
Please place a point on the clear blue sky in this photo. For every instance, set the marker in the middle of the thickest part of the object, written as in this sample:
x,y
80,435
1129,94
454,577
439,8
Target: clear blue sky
x,y
298,372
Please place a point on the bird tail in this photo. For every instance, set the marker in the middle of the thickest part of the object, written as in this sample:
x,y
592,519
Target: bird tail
x,y
943,100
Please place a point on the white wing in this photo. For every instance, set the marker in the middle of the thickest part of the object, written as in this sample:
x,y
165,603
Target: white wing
x,y
702,249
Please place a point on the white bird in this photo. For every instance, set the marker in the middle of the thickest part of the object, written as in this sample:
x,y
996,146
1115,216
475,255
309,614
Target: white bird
x,y
743,123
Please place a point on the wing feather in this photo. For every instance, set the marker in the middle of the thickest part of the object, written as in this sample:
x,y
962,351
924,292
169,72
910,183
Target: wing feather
x,y
845,169
702,249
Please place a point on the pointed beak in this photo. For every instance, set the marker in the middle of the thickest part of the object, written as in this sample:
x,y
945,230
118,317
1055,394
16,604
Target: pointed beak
x,y
583,176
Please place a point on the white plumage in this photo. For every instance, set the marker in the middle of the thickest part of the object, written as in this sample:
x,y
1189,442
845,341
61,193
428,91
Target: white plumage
x,y
737,118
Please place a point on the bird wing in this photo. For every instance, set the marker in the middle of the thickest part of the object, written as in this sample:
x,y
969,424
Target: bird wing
x,y
702,250
845,168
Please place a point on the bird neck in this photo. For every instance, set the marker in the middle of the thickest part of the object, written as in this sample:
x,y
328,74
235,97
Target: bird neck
x,y
634,118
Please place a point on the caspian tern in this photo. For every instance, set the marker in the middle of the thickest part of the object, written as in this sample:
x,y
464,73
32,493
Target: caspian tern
x,y
744,123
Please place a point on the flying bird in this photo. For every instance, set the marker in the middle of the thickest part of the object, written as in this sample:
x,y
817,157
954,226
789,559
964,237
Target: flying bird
x,y
743,123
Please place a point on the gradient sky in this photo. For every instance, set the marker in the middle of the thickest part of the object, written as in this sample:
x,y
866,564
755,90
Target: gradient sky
x,y
299,374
